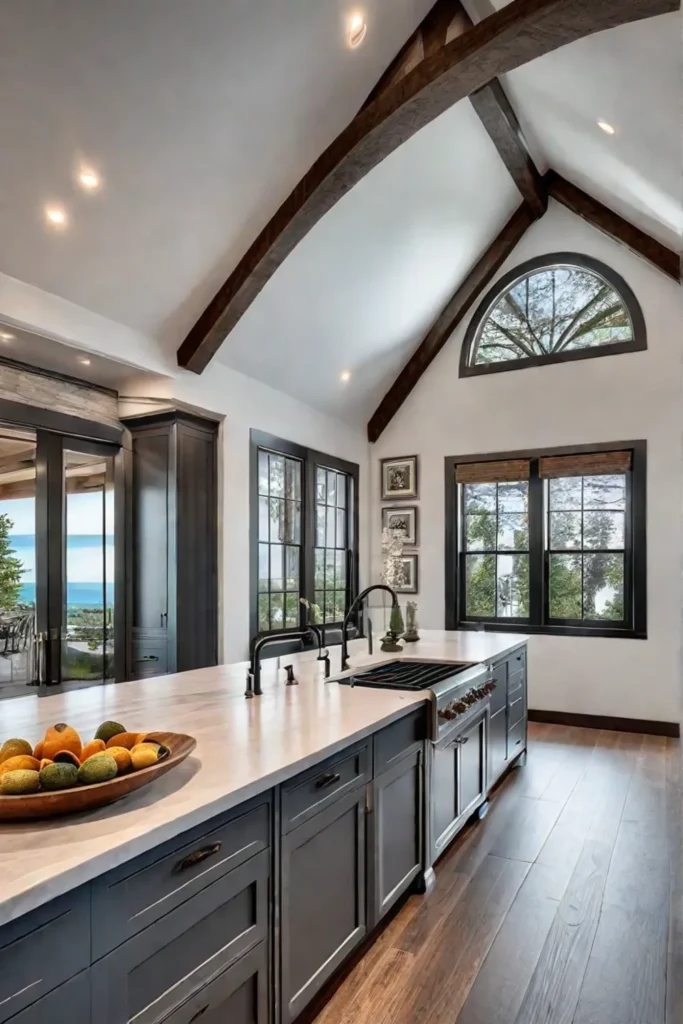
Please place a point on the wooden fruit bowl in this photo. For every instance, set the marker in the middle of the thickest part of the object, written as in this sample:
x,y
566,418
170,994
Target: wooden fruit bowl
x,y
86,798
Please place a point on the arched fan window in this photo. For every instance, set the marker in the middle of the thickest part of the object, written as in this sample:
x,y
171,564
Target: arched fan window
x,y
560,307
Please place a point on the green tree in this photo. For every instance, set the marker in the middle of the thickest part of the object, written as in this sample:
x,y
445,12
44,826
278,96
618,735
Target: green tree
x,y
11,567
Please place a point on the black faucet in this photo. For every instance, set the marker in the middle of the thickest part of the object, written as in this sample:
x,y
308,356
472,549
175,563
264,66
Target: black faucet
x,y
254,672
356,604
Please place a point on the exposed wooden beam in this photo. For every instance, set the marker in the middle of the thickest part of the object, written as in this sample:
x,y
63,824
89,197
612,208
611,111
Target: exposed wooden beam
x,y
455,311
520,32
500,121
606,220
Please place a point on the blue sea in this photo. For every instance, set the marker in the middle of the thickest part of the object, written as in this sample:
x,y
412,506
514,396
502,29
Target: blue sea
x,y
78,595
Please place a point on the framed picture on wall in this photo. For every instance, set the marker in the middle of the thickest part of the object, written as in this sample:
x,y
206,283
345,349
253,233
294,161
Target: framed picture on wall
x,y
402,517
399,477
410,566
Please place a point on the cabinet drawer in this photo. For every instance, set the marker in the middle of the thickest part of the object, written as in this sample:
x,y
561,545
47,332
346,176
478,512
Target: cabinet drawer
x,y
157,971
516,739
40,951
399,739
237,996
517,662
516,686
314,790
69,1002
139,893
516,710
150,658
499,676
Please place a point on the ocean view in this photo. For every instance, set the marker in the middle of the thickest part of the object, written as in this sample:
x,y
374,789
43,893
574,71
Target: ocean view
x,y
85,559
78,595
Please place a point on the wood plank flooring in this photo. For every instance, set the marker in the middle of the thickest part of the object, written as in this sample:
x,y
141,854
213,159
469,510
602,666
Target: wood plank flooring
x,y
563,906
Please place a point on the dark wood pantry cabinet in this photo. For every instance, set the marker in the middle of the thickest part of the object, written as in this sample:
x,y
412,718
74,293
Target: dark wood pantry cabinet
x,y
175,539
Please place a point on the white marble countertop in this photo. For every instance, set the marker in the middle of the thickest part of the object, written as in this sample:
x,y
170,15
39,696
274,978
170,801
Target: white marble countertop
x,y
244,747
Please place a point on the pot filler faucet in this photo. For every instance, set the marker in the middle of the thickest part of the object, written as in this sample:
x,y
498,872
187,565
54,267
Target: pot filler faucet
x,y
254,672
358,603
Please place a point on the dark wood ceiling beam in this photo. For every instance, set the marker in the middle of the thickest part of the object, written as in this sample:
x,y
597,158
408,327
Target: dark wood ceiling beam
x,y
612,224
515,35
500,121
453,314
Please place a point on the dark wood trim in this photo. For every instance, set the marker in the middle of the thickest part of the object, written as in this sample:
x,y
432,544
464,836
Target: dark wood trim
x,y
19,414
639,725
635,579
625,292
613,225
453,314
17,364
513,36
500,121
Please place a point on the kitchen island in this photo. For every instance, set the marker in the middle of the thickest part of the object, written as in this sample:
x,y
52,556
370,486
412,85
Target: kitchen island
x,y
253,869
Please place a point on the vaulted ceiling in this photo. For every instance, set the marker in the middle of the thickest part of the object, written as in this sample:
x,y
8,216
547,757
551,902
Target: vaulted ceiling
x,y
201,119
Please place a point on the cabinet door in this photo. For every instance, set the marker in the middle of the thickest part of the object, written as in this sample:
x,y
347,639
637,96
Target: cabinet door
x,y
238,996
395,836
472,769
323,911
498,743
444,797
150,529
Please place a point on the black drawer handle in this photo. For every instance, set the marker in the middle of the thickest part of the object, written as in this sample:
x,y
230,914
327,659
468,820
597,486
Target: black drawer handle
x,y
199,1013
520,657
196,858
148,657
328,779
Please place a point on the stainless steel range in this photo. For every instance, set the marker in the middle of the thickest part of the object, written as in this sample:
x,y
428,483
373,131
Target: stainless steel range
x,y
458,688
457,758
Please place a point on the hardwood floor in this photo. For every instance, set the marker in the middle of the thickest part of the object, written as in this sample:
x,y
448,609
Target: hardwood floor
x,y
555,909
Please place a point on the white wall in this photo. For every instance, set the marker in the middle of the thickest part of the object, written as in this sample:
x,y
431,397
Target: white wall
x,y
245,403
616,398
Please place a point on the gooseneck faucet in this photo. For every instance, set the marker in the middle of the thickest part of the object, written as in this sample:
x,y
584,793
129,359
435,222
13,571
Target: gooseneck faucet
x,y
254,673
358,604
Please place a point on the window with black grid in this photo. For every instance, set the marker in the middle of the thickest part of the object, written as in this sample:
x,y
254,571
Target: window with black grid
x,y
496,537
586,532
303,537
331,543
280,490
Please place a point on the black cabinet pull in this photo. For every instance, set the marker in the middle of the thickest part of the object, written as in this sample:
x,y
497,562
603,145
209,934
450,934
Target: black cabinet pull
x,y
196,858
148,657
199,1013
328,779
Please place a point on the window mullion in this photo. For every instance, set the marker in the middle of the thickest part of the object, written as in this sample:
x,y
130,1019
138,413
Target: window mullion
x,y
537,559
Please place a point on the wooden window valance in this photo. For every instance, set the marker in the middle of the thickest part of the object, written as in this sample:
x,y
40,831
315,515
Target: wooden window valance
x,y
596,464
492,472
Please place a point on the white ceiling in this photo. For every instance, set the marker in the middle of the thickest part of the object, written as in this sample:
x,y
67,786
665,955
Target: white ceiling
x,y
362,288
201,116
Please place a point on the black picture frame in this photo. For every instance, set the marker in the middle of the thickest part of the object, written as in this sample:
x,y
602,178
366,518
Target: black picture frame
x,y
409,463
412,537
413,586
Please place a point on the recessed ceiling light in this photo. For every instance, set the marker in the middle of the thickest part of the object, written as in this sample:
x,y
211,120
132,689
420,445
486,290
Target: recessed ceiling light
x,y
89,179
606,127
84,361
356,29
345,376
56,216
6,336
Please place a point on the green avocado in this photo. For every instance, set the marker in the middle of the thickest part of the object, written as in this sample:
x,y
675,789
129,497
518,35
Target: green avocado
x,y
109,729
97,769
18,782
58,776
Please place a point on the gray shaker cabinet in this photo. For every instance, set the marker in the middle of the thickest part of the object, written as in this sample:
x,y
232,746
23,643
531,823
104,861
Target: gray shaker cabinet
x,y
69,1003
395,847
237,996
323,903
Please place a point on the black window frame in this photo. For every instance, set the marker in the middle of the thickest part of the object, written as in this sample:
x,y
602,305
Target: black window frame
x,y
550,261
539,622
311,460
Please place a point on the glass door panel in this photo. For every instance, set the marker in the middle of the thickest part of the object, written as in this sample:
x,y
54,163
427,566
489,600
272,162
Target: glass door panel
x,y
17,560
87,637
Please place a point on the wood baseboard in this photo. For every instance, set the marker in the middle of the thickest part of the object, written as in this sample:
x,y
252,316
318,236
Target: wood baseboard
x,y
672,729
